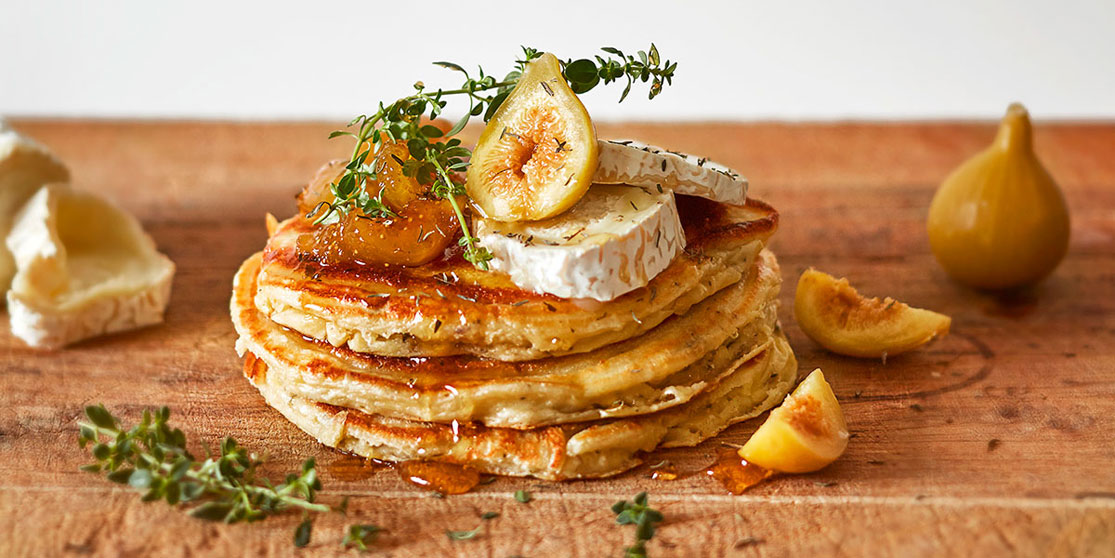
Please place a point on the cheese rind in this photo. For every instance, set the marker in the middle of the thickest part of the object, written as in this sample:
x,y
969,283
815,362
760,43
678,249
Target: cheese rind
x,y
84,268
615,240
25,165
639,164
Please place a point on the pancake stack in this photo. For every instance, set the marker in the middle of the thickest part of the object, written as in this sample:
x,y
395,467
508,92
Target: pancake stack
x,y
449,363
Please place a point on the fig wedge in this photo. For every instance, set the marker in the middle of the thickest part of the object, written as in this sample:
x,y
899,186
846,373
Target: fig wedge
x,y
833,314
805,433
538,153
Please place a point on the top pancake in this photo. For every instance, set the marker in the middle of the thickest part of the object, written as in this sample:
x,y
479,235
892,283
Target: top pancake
x,y
449,308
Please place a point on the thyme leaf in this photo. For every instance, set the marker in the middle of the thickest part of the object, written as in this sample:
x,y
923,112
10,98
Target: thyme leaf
x,y
645,519
302,533
463,535
360,536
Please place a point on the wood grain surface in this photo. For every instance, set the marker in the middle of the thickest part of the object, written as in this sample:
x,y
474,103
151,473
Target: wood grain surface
x,y
995,441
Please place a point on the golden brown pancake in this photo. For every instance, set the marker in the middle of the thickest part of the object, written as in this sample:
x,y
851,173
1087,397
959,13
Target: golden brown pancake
x,y
449,308
662,368
580,450
448,363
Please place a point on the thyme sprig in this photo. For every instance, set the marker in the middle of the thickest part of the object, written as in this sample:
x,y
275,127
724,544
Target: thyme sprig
x,y
152,457
584,74
643,517
437,159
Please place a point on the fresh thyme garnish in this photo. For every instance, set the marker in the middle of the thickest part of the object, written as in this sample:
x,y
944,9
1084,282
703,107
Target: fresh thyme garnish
x,y
523,497
437,159
643,517
360,536
152,457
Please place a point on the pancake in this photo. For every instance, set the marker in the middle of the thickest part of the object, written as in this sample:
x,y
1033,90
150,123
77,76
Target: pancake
x,y
581,450
662,368
447,307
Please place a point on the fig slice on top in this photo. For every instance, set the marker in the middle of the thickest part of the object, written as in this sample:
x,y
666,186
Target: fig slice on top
x,y
538,153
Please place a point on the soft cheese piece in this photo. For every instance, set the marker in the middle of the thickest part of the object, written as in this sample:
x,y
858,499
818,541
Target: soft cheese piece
x,y
639,164
84,268
613,241
24,167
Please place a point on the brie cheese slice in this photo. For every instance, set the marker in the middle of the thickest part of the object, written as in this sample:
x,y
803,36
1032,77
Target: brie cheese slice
x,y
24,167
613,241
639,164
84,268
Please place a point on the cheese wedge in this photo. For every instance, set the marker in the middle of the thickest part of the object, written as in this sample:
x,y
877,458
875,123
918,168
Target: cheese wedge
x,y
24,167
84,268
613,241
639,164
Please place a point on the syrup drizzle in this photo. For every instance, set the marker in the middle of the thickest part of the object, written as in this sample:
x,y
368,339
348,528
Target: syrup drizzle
x,y
734,473
440,477
665,471
353,468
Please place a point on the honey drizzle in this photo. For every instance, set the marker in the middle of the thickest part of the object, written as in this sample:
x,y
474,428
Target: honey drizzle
x,y
665,471
734,473
353,468
440,477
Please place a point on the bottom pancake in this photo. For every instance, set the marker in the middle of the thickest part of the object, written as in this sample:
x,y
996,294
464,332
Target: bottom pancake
x,y
582,450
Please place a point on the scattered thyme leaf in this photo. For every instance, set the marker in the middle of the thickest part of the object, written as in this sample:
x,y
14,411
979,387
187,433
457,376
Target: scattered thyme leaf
x,y
463,535
302,533
748,541
523,497
360,536
638,513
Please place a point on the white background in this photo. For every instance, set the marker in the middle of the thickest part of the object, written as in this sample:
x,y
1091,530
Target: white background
x,y
816,59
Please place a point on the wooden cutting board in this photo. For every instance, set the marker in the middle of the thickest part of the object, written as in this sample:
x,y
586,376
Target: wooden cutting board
x,y
997,440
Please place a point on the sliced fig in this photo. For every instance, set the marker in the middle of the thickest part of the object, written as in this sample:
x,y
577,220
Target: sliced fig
x,y
537,156
804,434
832,313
